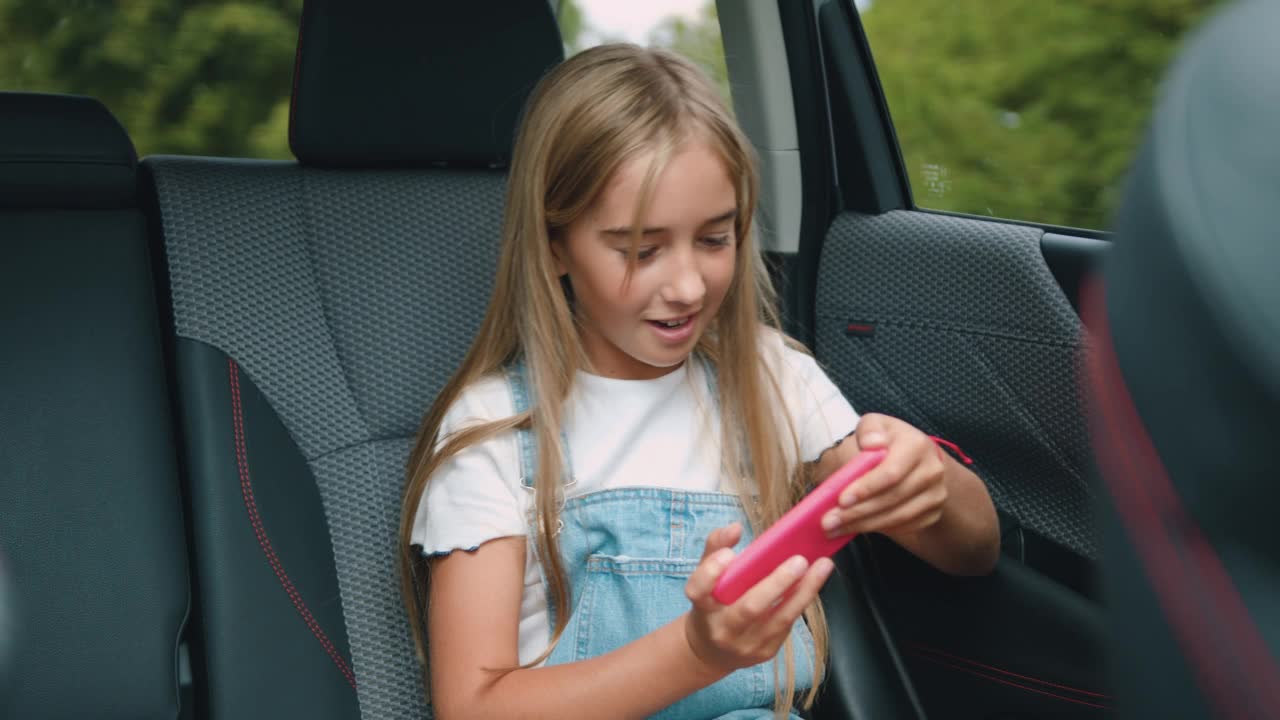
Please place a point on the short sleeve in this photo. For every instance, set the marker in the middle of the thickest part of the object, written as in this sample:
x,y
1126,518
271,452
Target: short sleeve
x,y
472,498
820,413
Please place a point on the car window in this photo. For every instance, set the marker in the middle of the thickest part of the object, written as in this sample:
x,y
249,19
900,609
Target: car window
x,y
207,78
689,27
214,78
1019,109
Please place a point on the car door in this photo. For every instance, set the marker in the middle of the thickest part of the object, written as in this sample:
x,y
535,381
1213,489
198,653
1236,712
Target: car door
x,y
959,164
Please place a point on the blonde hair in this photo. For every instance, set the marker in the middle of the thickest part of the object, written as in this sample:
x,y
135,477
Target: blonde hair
x,y
586,118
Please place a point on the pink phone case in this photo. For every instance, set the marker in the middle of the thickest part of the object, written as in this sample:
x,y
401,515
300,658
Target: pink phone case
x,y
799,532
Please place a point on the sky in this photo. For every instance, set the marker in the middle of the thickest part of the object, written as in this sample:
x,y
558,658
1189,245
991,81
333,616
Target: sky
x,y
632,20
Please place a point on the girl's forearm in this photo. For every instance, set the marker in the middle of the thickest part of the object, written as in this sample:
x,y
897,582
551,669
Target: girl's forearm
x,y
633,681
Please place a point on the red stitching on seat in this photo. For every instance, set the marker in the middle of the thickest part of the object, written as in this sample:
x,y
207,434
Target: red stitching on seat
x,y
251,506
920,648
1002,681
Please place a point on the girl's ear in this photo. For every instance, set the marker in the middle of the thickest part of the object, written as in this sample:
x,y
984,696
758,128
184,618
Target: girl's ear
x,y
558,256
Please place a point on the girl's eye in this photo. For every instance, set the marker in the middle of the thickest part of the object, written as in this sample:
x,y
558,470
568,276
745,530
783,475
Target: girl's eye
x,y
643,253
716,240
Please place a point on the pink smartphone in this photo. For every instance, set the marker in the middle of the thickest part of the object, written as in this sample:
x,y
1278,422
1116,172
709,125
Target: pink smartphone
x,y
799,532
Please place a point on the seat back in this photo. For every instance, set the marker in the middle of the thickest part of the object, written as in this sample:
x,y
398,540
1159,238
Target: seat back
x,y
319,306
1186,379
91,532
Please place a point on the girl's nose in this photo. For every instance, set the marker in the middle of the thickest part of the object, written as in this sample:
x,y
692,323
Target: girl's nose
x,y
685,286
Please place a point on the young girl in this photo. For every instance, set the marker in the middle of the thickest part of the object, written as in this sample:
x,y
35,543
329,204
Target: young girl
x,y
629,415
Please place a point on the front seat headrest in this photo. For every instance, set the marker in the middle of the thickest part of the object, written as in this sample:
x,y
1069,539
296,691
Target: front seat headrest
x,y
1193,278
1186,386
405,84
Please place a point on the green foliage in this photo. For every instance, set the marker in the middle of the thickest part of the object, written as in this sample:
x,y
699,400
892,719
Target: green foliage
x,y
1011,108
569,17
1023,109
208,78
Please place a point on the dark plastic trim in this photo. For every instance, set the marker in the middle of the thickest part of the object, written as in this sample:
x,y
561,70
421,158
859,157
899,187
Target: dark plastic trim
x,y
817,167
1071,259
872,174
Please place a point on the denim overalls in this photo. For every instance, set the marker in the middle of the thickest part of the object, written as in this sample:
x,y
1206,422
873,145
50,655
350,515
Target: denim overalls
x,y
628,553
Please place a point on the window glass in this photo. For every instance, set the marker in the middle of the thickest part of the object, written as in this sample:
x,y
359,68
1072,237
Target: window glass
x,y
197,78
1023,109
689,27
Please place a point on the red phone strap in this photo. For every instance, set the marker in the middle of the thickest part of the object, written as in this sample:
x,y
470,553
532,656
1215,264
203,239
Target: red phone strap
x,y
953,447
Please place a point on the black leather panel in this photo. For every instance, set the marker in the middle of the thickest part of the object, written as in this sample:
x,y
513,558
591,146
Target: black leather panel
x,y
1142,647
1072,260
1012,642
272,633
90,514
866,678
63,151
404,84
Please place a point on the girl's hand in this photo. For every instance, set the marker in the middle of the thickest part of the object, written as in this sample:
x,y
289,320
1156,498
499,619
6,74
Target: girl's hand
x,y
751,630
905,493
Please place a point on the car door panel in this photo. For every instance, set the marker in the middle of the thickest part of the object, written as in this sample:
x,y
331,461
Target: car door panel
x,y
961,327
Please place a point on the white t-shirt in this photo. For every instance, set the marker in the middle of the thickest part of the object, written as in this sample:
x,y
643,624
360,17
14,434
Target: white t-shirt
x,y
621,433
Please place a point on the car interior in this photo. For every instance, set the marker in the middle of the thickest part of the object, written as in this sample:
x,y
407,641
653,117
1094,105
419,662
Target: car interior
x,y
214,369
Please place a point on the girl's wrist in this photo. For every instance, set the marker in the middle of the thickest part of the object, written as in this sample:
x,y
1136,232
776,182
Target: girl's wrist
x,y
689,660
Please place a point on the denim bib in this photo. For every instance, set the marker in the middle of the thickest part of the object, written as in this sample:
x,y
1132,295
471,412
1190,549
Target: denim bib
x,y
627,554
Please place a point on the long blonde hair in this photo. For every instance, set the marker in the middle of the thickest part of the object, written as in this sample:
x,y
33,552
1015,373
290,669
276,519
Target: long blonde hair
x,y
586,118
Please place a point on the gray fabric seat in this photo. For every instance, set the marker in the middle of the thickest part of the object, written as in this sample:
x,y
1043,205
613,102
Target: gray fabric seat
x,y
318,307
91,531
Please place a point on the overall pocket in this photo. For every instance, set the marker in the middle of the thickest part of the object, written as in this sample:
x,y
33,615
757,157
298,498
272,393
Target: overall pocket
x,y
624,598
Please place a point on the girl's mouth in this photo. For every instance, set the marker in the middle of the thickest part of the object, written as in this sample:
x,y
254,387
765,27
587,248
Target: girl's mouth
x,y
675,330
672,323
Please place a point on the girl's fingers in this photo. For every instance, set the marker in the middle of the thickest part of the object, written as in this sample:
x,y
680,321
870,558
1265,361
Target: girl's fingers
x,y
895,494
888,474
801,595
873,431
922,480
761,597
725,537
917,513
715,558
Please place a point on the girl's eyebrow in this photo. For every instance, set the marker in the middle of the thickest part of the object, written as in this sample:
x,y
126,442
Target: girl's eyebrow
x,y
626,231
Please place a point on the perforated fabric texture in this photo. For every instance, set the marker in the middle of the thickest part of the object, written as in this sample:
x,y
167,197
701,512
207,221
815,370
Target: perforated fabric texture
x,y
348,297
972,340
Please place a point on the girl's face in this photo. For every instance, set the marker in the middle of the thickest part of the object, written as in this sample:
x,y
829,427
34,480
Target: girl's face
x,y
686,259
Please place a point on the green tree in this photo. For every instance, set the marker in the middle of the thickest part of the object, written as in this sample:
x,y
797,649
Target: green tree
x,y
700,41
1022,109
569,17
211,77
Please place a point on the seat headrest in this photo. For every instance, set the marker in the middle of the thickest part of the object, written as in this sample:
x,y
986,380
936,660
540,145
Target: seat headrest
x,y
63,151
1191,294
405,84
